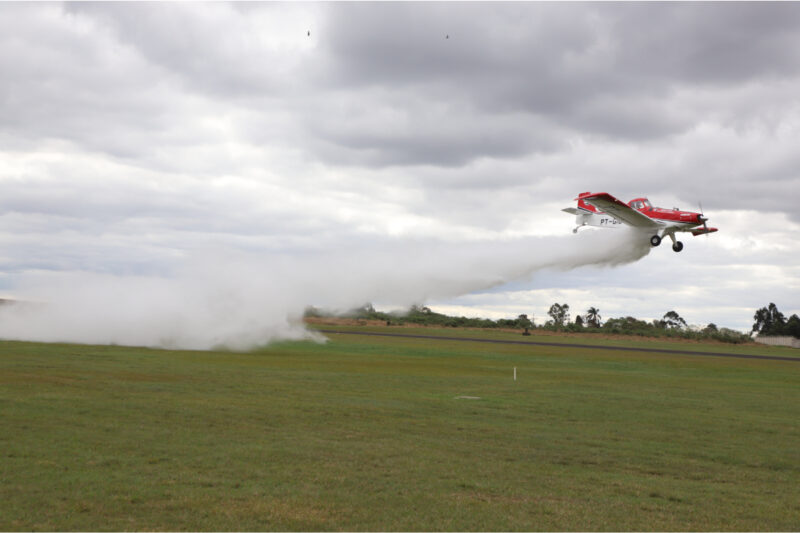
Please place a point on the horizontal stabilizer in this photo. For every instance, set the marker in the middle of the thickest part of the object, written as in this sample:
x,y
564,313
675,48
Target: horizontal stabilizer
x,y
703,231
571,211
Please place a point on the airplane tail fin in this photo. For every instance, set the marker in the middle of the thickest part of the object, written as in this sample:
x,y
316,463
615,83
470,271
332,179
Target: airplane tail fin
x,y
583,205
589,215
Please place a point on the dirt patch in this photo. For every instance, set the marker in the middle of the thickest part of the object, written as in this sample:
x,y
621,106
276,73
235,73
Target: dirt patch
x,y
338,321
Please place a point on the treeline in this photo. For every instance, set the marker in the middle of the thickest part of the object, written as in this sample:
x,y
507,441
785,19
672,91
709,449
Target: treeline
x,y
671,325
416,315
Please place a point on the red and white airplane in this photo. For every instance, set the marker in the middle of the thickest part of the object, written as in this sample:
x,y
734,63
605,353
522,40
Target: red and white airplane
x,y
603,210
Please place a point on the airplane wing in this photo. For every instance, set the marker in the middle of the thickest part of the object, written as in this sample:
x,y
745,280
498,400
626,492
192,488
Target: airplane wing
x,y
620,210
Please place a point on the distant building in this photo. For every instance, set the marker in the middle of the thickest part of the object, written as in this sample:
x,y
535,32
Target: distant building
x,y
778,341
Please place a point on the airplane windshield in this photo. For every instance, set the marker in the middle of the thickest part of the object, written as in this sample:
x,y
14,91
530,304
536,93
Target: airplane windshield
x,y
646,204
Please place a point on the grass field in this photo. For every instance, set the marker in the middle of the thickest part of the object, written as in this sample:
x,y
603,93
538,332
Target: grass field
x,y
380,433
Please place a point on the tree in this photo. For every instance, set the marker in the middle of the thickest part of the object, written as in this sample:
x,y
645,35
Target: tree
x,y
559,313
312,311
525,322
768,321
579,321
792,326
672,320
365,311
593,317
628,325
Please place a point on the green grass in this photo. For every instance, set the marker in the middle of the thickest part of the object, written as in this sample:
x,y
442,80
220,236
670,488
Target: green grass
x,y
369,433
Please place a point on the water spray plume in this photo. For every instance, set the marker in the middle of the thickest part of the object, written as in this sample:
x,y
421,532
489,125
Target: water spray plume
x,y
246,300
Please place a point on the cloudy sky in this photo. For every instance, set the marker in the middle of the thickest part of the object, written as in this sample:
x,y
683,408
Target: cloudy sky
x,y
136,135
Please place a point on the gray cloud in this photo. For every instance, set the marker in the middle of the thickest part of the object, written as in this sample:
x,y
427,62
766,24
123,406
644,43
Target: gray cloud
x,y
64,78
704,42
215,49
607,70
397,131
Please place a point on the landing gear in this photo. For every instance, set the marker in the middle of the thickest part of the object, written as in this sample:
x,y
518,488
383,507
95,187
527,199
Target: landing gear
x,y
677,245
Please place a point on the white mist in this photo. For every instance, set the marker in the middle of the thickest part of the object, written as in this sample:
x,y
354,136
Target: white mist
x,y
241,300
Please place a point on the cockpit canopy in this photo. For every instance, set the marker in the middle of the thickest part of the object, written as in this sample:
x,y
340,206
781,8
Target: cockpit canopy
x,y
640,203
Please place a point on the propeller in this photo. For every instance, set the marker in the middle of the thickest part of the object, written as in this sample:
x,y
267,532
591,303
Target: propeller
x,y
703,216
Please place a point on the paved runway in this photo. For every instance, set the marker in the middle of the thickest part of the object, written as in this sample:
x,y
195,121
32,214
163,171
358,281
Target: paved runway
x,y
567,345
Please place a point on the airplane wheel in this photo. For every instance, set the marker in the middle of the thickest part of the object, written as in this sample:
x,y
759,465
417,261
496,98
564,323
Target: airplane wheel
x,y
655,240
678,246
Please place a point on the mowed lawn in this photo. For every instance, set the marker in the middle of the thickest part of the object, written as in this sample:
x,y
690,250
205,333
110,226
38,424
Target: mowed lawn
x,y
380,433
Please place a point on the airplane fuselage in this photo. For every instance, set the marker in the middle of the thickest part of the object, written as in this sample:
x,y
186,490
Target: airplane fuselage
x,y
683,219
